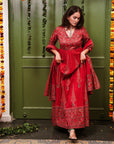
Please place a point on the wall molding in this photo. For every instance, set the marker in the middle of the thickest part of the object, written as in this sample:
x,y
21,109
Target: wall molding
x,y
51,57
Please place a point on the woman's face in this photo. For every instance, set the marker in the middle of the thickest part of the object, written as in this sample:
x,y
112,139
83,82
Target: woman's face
x,y
74,18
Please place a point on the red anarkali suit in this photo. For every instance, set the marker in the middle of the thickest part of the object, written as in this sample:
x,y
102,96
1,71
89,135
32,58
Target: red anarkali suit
x,y
70,82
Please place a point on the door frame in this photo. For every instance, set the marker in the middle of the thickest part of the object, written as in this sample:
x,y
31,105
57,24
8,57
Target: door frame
x,y
15,43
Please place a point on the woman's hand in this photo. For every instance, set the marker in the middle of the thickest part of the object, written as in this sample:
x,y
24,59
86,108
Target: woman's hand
x,y
82,57
58,58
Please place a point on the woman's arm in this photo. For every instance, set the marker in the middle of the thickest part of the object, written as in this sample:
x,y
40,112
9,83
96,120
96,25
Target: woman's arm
x,y
85,51
87,45
53,39
51,46
83,55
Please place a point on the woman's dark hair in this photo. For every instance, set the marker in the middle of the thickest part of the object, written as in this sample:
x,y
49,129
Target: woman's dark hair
x,y
71,10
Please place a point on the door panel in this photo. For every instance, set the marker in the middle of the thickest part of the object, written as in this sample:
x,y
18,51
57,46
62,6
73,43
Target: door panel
x,y
29,72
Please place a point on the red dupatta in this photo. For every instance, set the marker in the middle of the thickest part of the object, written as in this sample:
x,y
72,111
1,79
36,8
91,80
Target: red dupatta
x,y
70,63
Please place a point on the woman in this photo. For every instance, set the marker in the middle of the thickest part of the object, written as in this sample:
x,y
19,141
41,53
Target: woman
x,y
72,77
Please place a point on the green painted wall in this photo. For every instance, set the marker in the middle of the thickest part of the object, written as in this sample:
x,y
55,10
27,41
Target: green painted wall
x,y
29,72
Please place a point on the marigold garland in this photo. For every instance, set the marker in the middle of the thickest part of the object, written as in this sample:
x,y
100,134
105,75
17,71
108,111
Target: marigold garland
x,y
111,86
82,6
65,5
44,22
2,58
29,26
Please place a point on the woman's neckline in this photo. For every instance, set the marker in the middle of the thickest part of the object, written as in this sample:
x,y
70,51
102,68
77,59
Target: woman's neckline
x,y
67,34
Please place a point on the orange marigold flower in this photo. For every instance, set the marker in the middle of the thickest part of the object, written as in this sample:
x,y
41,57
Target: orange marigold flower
x,y
4,110
111,86
2,87
2,101
111,60
110,114
111,106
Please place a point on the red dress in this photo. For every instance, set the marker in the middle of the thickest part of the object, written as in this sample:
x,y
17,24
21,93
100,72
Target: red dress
x,y
70,82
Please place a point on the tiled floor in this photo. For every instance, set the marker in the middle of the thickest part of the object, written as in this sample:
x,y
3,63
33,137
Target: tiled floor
x,y
26,141
99,132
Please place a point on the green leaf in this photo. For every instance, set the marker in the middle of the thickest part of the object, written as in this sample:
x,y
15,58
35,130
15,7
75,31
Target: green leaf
x,y
22,129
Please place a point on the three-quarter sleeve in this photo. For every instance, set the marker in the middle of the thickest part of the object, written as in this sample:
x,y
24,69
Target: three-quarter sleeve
x,y
87,42
52,41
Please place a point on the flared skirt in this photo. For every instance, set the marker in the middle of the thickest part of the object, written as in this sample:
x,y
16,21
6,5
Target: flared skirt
x,y
71,107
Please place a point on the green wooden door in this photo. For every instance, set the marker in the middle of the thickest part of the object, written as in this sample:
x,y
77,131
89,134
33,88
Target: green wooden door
x,y
29,72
